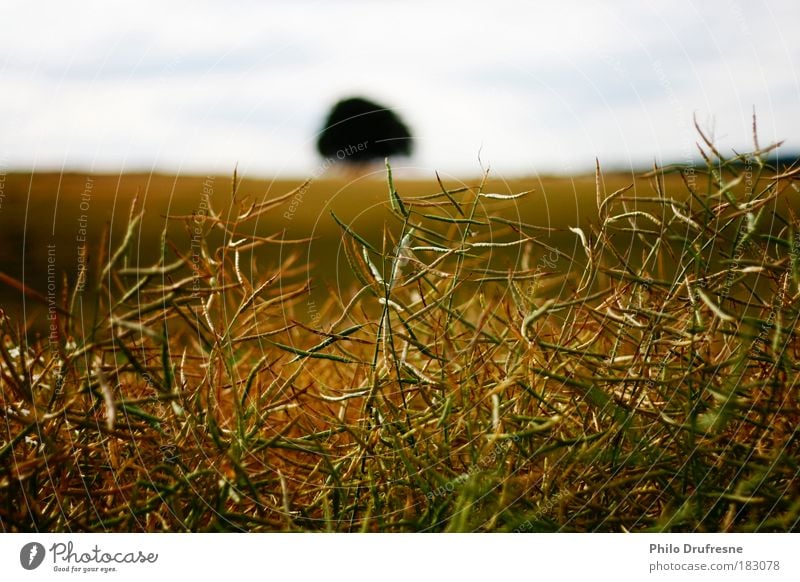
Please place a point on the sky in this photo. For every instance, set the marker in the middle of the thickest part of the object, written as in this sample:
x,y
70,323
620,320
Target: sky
x,y
520,87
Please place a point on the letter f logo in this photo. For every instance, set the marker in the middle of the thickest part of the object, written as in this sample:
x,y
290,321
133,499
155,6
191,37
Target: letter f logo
x,y
31,555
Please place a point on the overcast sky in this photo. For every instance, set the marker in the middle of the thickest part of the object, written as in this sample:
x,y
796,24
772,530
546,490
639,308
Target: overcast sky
x,y
195,86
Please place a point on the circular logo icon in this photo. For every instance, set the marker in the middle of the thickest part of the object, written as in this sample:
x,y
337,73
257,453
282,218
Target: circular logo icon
x,y
31,555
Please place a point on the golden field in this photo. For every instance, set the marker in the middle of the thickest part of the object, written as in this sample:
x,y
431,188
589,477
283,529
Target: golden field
x,y
75,210
554,354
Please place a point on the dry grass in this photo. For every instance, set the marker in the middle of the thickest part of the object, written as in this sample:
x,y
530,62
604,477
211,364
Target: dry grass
x,y
643,377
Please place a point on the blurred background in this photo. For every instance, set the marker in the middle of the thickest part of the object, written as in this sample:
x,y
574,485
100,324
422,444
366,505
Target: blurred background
x,y
533,87
102,102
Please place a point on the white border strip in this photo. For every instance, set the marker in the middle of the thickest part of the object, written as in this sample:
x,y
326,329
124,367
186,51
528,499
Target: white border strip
x,y
401,557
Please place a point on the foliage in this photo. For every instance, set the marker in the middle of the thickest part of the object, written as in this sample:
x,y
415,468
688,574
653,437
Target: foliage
x,y
645,379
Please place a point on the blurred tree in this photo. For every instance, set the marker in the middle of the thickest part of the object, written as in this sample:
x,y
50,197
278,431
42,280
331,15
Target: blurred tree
x,y
359,131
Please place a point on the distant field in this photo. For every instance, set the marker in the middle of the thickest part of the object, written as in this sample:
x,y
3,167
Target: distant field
x,y
367,355
577,358
63,209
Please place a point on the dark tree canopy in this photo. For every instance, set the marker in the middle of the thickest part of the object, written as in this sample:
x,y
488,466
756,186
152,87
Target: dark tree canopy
x,y
358,131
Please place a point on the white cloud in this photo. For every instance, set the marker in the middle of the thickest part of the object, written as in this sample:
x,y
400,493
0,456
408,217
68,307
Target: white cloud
x,y
194,85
